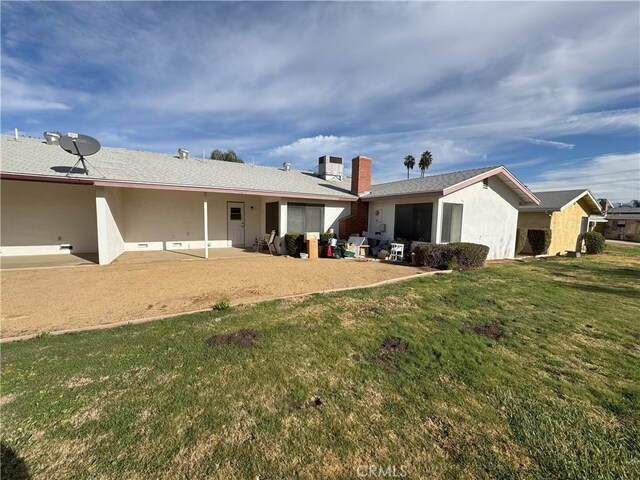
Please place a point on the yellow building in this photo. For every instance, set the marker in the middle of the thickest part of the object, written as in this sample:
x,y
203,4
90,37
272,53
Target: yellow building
x,y
568,213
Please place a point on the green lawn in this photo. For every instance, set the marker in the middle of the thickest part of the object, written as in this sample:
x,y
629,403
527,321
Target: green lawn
x,y
557,395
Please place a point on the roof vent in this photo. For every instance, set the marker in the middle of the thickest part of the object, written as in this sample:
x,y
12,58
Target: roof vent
x,y
183,153
286,166
330,168
52,138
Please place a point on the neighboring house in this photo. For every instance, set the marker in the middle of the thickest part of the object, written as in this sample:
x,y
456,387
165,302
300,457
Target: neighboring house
x,y
568,213
623,223
137,201
478,205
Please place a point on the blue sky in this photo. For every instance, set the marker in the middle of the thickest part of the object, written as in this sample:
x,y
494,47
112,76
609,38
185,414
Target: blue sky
x,y
551,90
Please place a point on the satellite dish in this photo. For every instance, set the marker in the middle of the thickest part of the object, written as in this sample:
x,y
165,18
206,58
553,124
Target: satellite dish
x,y
79,145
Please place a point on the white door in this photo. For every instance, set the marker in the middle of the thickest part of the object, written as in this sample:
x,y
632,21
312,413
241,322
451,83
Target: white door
x,y
235,224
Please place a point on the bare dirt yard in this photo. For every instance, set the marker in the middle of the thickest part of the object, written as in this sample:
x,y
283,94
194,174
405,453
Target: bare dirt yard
x,y
45,300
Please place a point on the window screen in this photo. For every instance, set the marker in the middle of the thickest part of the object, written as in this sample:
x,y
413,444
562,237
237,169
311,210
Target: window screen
x,y
272,219
451,222
305,217
413,221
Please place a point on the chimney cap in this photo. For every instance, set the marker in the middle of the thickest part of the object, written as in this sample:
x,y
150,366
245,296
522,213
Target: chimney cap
x,y
183,153
286,166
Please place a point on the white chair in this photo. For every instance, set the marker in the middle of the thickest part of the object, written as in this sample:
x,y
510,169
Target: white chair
x,y
397,252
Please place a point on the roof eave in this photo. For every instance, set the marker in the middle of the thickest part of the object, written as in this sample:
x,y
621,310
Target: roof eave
x,y
524,194
177,187
366,198
594,203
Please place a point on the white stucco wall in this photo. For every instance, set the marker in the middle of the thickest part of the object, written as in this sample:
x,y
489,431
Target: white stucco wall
x,y
37,217
110,224
164,219
489,216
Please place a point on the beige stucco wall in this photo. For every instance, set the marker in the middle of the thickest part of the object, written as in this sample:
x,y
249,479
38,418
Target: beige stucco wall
x,y
164,219
37,217
565,226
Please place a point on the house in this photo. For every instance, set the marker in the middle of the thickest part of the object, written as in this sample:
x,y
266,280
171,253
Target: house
x,y
139,201
478,205
568,213
131,200
623,223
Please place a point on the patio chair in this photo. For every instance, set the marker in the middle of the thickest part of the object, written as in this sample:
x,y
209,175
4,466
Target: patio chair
x,y
397,252
267,241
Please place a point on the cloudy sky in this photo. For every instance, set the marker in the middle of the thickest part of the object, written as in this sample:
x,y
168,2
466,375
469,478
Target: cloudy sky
x,y
551,90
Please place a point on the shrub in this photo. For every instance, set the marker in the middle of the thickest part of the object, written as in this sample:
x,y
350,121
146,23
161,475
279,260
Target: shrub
x,y
222,305
324,238
594,241
294,244
539,239
469,255
452,255
432,255
521,239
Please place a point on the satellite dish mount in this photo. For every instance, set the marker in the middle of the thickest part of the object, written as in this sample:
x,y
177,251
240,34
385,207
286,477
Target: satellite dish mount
x,y
80,145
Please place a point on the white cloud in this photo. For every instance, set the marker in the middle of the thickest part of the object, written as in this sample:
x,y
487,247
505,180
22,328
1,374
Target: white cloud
x,y
19,96
549,143
278,78
615,177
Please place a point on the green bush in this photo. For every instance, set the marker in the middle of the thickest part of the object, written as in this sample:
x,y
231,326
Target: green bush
x,y
539,239
521,239
294,244
452,255
324,238
594,241
469,255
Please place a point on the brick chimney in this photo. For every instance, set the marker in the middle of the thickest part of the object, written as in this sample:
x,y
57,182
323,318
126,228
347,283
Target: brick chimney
x,y
604,205
360,175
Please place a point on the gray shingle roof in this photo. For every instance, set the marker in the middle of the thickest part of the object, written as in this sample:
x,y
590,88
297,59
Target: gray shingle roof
x,y
624,213
33,157
556,200
428,184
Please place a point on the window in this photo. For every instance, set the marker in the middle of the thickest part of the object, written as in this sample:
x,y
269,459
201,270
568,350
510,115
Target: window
x,y
272,215
305,217
235,213
413,221
451,222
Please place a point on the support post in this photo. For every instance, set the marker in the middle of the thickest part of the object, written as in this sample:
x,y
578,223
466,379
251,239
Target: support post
x,y
206,227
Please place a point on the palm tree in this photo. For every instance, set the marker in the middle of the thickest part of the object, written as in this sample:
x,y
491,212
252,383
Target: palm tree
x,y
425,162
409,162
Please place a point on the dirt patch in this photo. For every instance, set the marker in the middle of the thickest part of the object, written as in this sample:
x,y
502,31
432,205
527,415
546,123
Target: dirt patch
x,y
388,351
167,287
493,332
313,402
242,338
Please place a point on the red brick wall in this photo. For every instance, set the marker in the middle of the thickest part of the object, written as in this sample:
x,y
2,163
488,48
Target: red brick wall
x,y
360,175
357,222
